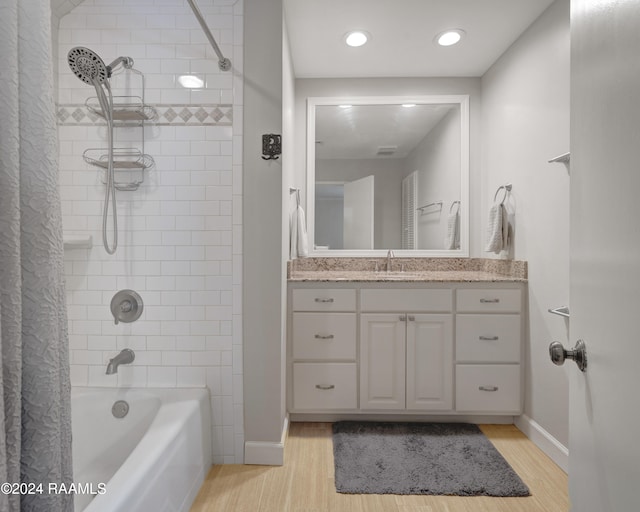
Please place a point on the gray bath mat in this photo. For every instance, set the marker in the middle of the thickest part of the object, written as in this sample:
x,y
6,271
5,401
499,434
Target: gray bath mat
x,y
420,458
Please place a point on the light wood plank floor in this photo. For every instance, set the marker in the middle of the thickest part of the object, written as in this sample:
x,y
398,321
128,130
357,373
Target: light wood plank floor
x,y
305,482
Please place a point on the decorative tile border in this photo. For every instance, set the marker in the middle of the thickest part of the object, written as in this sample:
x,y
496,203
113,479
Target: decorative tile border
x,y
167,115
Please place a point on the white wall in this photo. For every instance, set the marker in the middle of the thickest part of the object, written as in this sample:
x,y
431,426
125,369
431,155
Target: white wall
x,y
525,122
264,249
180,232
437,160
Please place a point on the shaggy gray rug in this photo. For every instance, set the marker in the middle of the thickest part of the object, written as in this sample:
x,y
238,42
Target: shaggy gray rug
x,y
420,458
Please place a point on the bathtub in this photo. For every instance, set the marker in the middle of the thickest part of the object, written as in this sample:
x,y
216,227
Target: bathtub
x,y
154,459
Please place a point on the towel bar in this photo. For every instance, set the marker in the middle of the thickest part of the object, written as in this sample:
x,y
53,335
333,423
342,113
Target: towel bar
x,y
507,188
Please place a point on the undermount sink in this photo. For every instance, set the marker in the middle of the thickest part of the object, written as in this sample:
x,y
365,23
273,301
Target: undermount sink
x,y
399,276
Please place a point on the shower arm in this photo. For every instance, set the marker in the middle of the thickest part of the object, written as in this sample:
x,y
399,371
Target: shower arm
x,y
127,62
223,63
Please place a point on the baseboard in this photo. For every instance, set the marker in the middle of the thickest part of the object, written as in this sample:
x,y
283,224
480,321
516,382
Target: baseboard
x,y
267,453
556,451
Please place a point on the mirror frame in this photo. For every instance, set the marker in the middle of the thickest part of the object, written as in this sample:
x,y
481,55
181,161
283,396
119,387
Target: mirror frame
x,y
462,100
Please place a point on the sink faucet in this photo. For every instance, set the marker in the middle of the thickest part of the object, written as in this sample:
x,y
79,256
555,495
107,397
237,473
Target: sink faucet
x,y
126,356
389,260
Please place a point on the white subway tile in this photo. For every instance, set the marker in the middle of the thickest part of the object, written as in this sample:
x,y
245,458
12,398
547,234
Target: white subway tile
x,y
161,342
132,376
149,357
176,358
191,377
194,343
180,234
97,377
79,375
161,376
174,327
219,343
190,253
161,283
177,298
133,342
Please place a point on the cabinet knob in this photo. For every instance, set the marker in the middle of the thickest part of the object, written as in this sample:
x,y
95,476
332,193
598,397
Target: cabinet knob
x,y
324,336
402,318
325,387
488,338
319,299
488,388
489,301
411,318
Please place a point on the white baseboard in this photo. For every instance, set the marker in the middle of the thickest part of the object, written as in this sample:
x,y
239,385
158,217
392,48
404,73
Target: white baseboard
x,y
556,451
267,453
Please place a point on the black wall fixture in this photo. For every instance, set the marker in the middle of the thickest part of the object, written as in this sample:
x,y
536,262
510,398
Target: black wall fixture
x,y
271,146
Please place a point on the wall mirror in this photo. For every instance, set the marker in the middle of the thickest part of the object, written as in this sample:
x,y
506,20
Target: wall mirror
x,y
388,173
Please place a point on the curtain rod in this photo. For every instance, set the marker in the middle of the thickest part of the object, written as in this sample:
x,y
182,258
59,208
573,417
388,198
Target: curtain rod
x,y
223,63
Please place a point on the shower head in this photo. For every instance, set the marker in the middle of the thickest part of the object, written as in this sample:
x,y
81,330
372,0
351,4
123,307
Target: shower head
x,y
87,65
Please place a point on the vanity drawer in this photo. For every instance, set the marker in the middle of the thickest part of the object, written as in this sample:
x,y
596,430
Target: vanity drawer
x,y
324,299
407,299
324,336
318,386
488,338
486,388
489,300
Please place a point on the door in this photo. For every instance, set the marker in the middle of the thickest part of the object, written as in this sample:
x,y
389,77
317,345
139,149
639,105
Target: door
x,y
382,361
358,214
430,362
604,452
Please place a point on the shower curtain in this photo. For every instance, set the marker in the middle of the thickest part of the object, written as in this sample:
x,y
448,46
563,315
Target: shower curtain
x,y
35,416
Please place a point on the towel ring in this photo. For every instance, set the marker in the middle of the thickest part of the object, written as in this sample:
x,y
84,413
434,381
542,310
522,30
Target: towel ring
x,y
453,204
507,189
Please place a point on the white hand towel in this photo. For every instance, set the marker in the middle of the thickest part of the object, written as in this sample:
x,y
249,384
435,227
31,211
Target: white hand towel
x,y
452,240
495,229
506,238
293,235
303,241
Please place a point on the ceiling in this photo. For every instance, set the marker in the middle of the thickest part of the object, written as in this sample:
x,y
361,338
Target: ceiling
x,y
402,33
373,131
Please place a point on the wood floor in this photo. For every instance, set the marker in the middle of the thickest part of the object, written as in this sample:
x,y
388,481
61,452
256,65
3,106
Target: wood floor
x,y
305,482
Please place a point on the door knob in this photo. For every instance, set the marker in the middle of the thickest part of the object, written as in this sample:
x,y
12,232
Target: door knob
x,y
558,354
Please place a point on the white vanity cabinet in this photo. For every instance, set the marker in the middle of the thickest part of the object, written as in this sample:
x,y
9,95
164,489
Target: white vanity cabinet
x,y
488,351
358,349
323,349
406,353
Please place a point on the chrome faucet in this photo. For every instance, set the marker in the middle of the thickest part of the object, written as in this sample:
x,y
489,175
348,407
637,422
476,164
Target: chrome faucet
x,y
389,260
126,356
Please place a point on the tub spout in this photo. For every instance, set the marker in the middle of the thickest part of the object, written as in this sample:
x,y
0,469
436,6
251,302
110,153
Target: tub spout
x,y
126,356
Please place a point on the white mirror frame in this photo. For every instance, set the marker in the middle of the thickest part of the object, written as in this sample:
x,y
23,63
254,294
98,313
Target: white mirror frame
x,y
462,100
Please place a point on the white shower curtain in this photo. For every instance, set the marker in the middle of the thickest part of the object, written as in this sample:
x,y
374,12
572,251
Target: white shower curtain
x,y
35,416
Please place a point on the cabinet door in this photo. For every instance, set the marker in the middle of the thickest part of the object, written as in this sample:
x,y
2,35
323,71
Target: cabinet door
x,y
430,362
382,361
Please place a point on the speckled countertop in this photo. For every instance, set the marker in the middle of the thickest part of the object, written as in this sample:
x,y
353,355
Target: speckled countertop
x,y
413,270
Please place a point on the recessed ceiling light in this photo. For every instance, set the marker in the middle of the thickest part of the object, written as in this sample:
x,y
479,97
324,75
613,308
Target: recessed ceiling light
x,y
356,38
345,106
408,105
449,37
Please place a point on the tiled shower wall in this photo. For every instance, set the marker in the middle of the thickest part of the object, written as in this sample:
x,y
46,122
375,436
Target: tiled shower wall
x,y
180,233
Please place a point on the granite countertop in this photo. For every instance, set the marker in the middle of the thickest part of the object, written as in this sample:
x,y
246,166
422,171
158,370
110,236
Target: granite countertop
x,y
415,270
409,277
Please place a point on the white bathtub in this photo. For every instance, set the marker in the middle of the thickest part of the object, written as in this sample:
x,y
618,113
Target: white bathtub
x,y
152,460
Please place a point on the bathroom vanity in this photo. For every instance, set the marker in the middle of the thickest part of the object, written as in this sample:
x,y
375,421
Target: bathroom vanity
x,y
423,341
